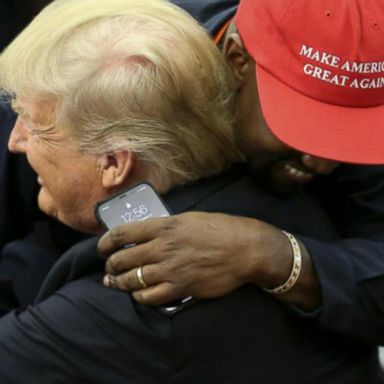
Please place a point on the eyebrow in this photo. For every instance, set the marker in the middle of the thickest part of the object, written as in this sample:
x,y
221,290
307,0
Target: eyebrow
x,y
17,109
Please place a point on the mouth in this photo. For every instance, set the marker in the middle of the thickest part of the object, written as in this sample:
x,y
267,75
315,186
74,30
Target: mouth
x,y
40,181
297,173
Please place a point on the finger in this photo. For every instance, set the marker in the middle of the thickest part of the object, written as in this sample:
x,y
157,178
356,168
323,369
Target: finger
x,y
132,233
128,258
158,294
130,281
109,281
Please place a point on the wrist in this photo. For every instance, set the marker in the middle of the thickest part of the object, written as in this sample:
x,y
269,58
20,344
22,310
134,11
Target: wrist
x,y
268,259
295,270
272,258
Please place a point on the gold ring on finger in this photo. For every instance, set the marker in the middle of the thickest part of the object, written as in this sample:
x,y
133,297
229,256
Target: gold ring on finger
x,y
140,277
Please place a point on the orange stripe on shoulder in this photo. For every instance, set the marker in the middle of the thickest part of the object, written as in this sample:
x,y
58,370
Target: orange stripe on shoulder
x,y
221,32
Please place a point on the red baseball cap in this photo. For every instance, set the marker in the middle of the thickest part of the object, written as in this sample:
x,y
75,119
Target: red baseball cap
x,y
320,73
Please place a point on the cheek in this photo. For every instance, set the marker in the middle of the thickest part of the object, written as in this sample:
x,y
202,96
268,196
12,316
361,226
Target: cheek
x,y
57,192
262,149
62,202
254,144
268,145
39,158
75,208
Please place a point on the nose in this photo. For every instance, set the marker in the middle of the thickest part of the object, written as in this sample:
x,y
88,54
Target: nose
x,y
17,142
319,165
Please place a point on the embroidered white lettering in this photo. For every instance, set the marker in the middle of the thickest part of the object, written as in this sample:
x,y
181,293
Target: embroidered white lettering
x,y
368,83
324,75
319,56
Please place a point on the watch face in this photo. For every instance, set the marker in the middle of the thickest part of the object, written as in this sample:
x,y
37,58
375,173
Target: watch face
x,y
136,204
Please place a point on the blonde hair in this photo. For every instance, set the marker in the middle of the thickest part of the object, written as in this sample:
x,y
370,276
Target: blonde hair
x,y
139,75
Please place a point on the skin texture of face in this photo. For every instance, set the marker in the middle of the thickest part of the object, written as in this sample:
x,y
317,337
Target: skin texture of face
x,y
70,180
278,166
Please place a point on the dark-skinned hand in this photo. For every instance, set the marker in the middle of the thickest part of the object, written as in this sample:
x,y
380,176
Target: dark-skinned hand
x,y
197,254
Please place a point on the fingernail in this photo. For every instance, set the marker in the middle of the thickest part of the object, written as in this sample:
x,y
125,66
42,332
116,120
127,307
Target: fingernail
x,y
106,281
138,297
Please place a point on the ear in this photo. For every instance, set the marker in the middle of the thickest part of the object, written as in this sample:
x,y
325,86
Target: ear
x,y
116,168
237,57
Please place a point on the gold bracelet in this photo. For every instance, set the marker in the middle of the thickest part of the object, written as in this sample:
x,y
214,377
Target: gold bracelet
x,y
296,268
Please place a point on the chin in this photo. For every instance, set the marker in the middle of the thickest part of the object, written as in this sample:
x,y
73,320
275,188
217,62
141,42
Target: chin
x,y
46,204
271,180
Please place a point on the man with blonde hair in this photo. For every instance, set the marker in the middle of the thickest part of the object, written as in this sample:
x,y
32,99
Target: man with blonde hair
x,y
104,103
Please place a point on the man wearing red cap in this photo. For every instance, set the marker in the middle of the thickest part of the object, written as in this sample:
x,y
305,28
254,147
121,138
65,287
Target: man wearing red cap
x,y
310,95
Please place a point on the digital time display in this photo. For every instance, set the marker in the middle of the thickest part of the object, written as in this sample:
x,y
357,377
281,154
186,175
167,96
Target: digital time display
x,y
135,214
136,204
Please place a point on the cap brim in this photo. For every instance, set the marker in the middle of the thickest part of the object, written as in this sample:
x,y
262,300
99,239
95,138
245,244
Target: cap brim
x,y
354,135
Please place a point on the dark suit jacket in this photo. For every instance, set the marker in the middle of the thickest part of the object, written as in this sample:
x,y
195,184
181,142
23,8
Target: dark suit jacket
x,y
80,332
